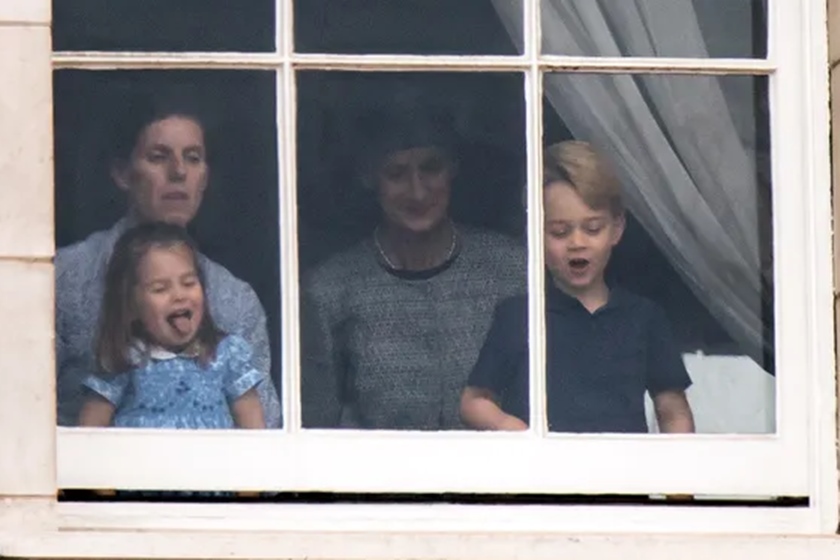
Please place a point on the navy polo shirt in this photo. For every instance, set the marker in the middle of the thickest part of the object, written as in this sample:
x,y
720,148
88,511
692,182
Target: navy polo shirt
x,y
598,365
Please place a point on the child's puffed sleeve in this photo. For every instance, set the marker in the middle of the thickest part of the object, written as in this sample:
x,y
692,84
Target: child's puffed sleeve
x,y
111,388
240,374
666,370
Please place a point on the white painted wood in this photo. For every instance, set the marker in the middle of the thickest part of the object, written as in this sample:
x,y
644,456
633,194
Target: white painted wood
x,y
27,397
339,545
432,462
821,352
429,519
289,271
537,425
381,62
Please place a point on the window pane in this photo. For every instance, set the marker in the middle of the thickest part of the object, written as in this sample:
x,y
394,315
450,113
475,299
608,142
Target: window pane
x,y
163,25
411,231
186,147
667,28
407,26
690,281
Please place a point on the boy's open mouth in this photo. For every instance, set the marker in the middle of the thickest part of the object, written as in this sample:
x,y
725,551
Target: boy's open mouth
x,y
180,320
578,264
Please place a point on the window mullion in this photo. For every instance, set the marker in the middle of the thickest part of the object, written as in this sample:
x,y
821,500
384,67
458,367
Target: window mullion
x,y
536,277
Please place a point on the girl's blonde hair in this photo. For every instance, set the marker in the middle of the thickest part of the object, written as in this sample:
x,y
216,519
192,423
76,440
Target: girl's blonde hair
x,y
577,164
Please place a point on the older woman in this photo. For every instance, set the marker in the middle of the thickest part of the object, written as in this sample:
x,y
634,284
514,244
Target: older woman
x,y
160,161
392,327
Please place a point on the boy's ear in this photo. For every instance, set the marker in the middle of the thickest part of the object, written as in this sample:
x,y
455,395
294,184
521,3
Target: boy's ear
x,y
619,223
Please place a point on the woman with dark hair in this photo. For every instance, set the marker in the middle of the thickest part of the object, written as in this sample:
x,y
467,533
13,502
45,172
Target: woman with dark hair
x,y
392,327
160,160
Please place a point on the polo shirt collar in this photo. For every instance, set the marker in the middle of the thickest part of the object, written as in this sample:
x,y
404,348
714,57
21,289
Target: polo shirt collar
x,y
558,300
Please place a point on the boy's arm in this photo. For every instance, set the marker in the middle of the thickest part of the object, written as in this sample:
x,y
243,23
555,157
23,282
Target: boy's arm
x,y
673,412
667,378
479,410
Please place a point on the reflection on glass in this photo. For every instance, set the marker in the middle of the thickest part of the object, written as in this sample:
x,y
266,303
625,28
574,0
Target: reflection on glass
x,y
651,28
407,26
150,332
163,25
410,189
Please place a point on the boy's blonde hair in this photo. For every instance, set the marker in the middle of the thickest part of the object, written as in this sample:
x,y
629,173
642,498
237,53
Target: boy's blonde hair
x,y
578,164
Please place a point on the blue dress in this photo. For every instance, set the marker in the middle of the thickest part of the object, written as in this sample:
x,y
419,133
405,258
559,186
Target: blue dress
x,y
175,391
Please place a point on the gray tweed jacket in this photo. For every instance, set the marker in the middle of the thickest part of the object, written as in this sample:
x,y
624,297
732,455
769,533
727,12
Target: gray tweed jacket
x,y
385,351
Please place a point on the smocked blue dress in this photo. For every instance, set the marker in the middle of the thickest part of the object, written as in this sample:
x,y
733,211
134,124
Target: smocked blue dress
x,y
174,391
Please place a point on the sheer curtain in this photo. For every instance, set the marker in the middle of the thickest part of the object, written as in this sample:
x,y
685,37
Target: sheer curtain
x,y
685,149
685,152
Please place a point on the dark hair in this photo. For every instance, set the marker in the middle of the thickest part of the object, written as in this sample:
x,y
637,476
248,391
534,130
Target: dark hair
x,y
118,328
385,131
138,111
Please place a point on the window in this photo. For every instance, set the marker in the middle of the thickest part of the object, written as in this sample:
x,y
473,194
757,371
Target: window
x,y
744,271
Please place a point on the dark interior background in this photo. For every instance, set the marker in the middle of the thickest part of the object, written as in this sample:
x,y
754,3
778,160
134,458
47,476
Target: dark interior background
x,y
237,225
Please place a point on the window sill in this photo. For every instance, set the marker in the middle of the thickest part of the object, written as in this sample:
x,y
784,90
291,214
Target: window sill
x,y
416,531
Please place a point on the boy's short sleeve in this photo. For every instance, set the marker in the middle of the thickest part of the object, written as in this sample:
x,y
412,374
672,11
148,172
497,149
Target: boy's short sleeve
x,y
496,367
666,369
240,374
111,389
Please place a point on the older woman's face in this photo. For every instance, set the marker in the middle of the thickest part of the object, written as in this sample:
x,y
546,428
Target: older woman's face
x,y
414,188
167,173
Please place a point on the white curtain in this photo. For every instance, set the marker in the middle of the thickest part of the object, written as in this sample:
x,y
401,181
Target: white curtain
x,y
682,145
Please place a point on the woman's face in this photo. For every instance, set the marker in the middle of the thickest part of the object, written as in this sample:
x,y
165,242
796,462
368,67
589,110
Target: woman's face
x,y
414,188
167,173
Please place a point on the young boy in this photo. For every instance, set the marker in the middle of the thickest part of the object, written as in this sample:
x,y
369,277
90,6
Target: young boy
x,y
604,345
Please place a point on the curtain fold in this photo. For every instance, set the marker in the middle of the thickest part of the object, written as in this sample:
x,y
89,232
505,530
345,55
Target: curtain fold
x,y
683,146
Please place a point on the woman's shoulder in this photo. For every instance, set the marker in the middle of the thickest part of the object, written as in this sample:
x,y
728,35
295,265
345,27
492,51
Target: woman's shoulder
x,y
84,260
347,266
232,344
224,287
491,244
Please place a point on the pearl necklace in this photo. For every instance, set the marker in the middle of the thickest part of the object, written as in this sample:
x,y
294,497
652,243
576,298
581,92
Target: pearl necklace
x,y
392,266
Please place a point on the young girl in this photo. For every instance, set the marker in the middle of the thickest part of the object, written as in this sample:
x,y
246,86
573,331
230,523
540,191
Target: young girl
x,y
163,362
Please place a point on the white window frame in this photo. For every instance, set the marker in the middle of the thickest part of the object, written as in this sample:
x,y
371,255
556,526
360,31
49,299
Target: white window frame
x,y
799,460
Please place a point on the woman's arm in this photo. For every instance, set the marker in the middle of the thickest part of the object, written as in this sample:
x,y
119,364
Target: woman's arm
x,y
247,411
97,412
479,410
322,372
673,412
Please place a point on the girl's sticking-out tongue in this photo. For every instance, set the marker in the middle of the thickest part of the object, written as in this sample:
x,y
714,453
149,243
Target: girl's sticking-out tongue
x,y
181,321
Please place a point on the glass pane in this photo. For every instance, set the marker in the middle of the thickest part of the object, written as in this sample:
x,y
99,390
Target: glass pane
x,y
411,231
163,25
677,289
408,26
667,28
191,148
